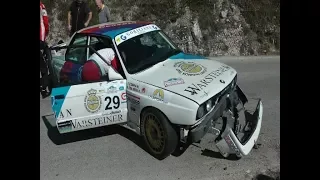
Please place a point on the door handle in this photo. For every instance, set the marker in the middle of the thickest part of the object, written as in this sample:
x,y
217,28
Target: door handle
x,y
59,97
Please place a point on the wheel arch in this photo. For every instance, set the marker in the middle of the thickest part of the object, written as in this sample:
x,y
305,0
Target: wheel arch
x,y
150,107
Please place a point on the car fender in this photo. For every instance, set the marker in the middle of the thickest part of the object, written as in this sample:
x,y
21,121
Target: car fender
x,y
179,110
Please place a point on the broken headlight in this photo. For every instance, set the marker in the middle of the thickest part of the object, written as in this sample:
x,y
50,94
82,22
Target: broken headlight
x,y
234,82
206,107
201,111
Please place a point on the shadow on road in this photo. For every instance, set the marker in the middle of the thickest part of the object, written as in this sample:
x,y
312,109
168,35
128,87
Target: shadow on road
x,y
274,176
217,155
60,139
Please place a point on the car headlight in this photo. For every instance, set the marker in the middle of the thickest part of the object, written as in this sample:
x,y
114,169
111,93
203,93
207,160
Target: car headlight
x,y
201,111
208,105
234,82
204,108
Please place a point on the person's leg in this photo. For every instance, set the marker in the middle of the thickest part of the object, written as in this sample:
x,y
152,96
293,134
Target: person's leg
x,y
44,73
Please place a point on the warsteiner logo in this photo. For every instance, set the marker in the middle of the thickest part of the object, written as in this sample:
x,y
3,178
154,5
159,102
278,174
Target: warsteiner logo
x,y
92,102
190,68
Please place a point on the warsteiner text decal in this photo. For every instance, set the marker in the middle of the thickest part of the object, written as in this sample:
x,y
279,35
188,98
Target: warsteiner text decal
x,y
110,119
194,88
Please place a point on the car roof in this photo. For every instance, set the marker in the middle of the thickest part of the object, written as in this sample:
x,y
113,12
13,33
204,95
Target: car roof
x,y
114,28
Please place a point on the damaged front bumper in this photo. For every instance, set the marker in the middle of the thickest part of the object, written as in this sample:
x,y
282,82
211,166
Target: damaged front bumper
x,y
227,140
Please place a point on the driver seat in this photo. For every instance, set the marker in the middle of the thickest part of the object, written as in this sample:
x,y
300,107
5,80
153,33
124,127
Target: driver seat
x,y
91,72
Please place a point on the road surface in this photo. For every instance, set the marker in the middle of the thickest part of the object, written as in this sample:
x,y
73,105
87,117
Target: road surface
x,y
116,153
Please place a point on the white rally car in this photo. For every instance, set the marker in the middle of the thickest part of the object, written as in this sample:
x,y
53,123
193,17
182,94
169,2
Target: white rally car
x,y
168,97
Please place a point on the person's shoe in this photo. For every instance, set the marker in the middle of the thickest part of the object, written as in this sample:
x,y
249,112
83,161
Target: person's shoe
x,y
44,94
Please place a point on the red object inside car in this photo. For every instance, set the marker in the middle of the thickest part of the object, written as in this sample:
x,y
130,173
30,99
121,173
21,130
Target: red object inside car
x,y
91,71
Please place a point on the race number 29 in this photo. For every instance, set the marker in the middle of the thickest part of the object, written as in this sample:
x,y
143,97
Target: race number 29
x,y
115,100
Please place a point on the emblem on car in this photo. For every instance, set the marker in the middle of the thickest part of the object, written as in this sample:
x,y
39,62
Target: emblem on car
x,y
222,81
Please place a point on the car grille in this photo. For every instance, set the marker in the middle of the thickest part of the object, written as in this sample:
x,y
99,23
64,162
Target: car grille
x,y
227,90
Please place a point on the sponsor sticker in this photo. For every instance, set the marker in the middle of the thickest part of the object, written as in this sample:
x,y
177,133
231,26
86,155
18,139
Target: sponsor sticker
x,y
135,32
65,113
143,90
231,144
112,89
133,99
113,25
133,87
124,97
195,88
112,112
104,120
173,81
65,126
123,37
190,68
158,95
92,101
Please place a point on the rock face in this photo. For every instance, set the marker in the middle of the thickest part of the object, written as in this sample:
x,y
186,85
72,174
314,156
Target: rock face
x,y
206,27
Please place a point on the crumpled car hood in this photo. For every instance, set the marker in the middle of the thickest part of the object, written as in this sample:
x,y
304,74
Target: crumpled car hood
x,y
190,76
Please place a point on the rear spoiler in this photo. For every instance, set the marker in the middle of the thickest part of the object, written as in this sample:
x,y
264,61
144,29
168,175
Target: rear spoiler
x,y
59,47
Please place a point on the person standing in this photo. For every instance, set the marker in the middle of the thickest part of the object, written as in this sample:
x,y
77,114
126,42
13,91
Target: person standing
x,y
44,22
79,16
44,31
104,13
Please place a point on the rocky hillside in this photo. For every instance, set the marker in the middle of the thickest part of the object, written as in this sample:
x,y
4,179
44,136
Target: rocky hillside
x,y
206,27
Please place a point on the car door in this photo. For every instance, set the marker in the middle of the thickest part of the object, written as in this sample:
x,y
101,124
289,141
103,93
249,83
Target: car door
x,y
77,105
85,106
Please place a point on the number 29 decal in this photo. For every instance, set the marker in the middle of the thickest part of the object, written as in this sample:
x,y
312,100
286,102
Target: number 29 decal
x,y
115,100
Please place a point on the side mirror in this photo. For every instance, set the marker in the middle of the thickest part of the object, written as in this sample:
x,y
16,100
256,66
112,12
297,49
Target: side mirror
x,y
113,75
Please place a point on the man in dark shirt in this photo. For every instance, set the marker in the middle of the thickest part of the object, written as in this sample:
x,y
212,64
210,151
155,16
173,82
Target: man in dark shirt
x,y
79,16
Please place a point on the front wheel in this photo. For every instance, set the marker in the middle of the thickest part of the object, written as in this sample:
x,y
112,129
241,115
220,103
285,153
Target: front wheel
x,y
160,137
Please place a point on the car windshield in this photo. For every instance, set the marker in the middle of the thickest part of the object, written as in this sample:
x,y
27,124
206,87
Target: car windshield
x,y
144,51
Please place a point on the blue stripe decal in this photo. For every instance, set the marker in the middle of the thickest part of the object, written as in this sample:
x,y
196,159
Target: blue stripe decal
x,y
121,27
57,103
115,32
187,57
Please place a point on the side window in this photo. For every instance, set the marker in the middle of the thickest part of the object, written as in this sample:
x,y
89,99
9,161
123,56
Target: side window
x,y
77,54
99,43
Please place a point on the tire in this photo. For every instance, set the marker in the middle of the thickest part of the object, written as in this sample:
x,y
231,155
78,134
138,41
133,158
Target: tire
x,y
159,136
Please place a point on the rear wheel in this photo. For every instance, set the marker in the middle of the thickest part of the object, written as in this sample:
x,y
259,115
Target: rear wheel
x,y
160,137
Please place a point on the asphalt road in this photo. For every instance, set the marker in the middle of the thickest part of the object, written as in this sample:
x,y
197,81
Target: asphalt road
x,y
116,153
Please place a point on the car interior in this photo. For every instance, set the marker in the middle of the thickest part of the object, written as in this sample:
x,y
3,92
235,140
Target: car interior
x,y
77,69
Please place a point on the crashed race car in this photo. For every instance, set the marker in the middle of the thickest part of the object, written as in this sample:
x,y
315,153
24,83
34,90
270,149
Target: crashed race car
x,y
170,98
